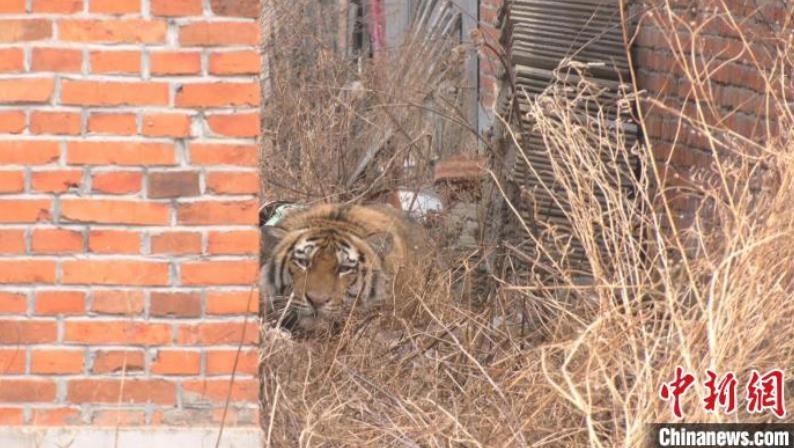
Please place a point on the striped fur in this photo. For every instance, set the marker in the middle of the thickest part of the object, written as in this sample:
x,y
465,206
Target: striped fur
x,y
328,260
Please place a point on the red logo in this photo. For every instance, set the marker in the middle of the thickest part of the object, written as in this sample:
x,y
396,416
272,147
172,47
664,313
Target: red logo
x,y
674,389
722,394
764,392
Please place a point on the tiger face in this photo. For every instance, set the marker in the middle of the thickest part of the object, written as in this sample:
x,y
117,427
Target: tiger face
x,y
323,263
321,276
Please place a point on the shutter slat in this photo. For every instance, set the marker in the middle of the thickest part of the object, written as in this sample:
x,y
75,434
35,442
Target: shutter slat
x,y
539,35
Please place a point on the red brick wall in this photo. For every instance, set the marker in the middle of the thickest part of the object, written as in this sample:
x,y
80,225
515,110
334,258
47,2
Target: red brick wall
x,y
490,67
128,211
732,94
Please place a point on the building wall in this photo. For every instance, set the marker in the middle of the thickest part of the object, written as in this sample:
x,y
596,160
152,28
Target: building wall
x,y
735,84
734,93
128,212
490,66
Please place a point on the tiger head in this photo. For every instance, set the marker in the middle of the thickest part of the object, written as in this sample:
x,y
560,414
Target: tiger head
x,y
315,277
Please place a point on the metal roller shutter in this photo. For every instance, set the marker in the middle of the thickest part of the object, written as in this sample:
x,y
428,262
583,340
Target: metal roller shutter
x,y
538,35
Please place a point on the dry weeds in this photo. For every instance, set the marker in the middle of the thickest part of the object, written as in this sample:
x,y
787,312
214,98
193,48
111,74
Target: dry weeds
x,y
714,295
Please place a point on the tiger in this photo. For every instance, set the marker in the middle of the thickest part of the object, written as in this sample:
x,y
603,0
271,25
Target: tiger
x,y
321,263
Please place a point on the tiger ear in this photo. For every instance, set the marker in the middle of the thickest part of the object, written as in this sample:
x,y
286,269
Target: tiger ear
x,y
382,243
271,236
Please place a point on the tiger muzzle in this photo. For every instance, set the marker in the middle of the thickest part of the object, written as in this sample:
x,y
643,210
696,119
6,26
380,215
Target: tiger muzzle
x,y
317,301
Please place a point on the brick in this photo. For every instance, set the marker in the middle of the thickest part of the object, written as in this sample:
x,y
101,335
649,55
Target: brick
x,y
116,93
12,60
16,31
56,417
26,90
115,6
47,122
123,302
174,63
131,390
113,361
114,242
112,123
24,211
224,154
221,362
177,8
117,182
12,360
175,304
115,272
13,6
683,156
176,362
659,84
244,62
218,94
218,212
57,6
241,242
60,302
118,417
12,242
113,31
28,152
27,271
116,332
489,16
115,62
23,332
237,416
232,182
191,415
115,212
218,34
55,181
173,184
12,181
218,390
12,302
166,125
11,416
214,333
11,122
56,60
56,241
235,125
236,8
218,272
120,153
234,302
27,391
176,243
60,361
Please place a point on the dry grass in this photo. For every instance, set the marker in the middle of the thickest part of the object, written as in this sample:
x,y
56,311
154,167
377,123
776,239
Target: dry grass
x,y
347,127
714,295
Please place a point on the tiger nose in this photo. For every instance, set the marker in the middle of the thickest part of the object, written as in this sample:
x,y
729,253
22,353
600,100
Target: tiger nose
x,y
317,300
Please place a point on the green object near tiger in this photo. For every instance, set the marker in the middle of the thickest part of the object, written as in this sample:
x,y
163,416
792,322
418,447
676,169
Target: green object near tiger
x,y
282,211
